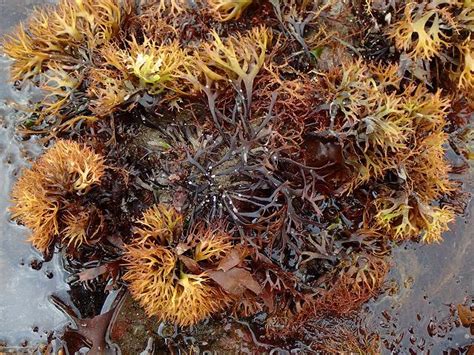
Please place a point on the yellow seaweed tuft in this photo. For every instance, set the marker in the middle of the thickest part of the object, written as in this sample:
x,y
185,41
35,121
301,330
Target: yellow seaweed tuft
x,y
395,216
436,222
406,217
157,67
226,10
237,58
70,167
420,35
466,68
159,224
35,209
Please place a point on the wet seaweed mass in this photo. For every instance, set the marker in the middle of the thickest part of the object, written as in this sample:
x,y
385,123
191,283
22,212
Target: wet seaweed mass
x,y
249,160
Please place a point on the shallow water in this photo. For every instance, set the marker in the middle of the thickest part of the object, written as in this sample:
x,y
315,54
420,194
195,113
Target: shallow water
x,y
432,280
25,312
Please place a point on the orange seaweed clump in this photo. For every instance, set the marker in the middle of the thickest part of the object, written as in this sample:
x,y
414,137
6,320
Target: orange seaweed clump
x,y
78,227
166,282
71,167
295,102
156,282
340,293
59,33
394,131
35,209
39,195
357,281
107,91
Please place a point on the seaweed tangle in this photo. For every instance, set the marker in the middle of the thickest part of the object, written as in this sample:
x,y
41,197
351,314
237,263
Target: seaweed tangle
x,y
259,159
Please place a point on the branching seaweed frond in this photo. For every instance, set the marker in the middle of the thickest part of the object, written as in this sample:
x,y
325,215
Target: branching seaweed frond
x,y
427,168
436,222
157,67
466,69
427,110
59,85
210,244
351,89
395,215
419,33
237,58
387,128
57,33
195,299
71,167
355,281
164,7
76,228
28,61
159,224
406,217
75,22
226,10
107,91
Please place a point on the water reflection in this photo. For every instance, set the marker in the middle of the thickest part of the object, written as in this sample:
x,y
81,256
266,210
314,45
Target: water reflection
x,y
432,280
25,312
